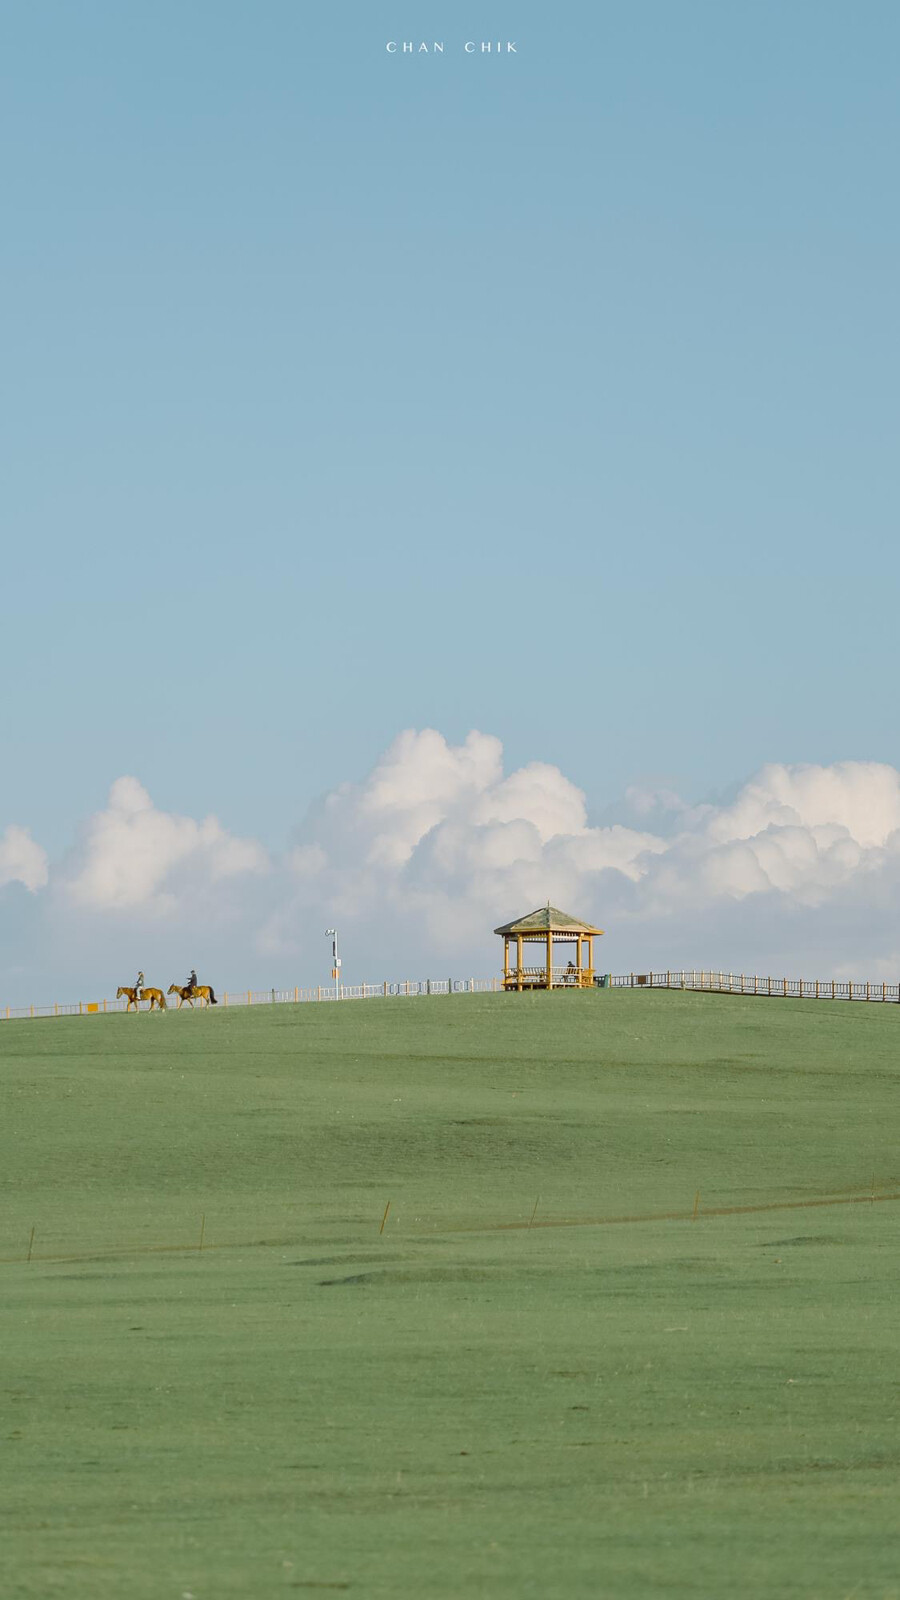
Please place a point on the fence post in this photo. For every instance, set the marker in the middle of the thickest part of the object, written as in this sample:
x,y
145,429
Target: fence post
x,y
385,988
249,998
296,994
225,998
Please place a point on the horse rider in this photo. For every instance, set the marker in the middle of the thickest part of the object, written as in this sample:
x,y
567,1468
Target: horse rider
x,y
138,985
192,982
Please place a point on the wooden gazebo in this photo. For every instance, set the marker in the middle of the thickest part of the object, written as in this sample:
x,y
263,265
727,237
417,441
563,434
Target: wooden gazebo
x,y
547,928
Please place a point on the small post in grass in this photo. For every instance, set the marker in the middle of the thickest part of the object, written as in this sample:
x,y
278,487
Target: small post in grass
x,y
202,1230
696,1211
385,1217
30,1245
534,1212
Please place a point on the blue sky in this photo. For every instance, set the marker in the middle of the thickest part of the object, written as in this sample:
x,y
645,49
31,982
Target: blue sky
x,y
338,382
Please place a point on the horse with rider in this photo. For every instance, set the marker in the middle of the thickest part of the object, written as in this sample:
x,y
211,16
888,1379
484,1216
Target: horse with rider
x,y
192,990
140,991
203,993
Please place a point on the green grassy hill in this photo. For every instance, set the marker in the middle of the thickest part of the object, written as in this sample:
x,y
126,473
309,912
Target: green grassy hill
x,y
462,1405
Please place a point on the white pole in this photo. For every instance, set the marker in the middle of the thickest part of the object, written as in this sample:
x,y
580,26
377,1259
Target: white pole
x,y
332,934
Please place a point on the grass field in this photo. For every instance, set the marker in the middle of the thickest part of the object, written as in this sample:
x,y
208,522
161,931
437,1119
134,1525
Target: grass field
x,y
462,1405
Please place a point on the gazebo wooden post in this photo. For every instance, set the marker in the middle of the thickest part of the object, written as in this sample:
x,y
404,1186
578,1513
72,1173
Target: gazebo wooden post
x,y
549,959
519,962
578,948
591,955
506,962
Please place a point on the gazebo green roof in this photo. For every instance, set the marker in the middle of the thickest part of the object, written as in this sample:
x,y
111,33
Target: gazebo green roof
x,y
548,920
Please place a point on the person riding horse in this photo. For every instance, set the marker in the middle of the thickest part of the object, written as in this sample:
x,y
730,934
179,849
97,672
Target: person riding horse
x,y
192,982
138,985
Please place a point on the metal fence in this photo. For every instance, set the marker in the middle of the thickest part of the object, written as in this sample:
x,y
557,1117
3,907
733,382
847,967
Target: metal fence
x,y
746,983
407,987
705,981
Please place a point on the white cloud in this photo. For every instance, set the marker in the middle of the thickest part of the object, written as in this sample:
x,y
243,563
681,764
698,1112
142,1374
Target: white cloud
x,y
862,797
438,834
439,842
538,794
417,783
417,863
21,859
643,801
133,855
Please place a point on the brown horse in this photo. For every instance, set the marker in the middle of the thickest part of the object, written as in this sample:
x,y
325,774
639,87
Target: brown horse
x,y
202,992
135,996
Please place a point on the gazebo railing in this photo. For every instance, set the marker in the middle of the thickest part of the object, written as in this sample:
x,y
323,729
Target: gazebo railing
x,y
561,977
